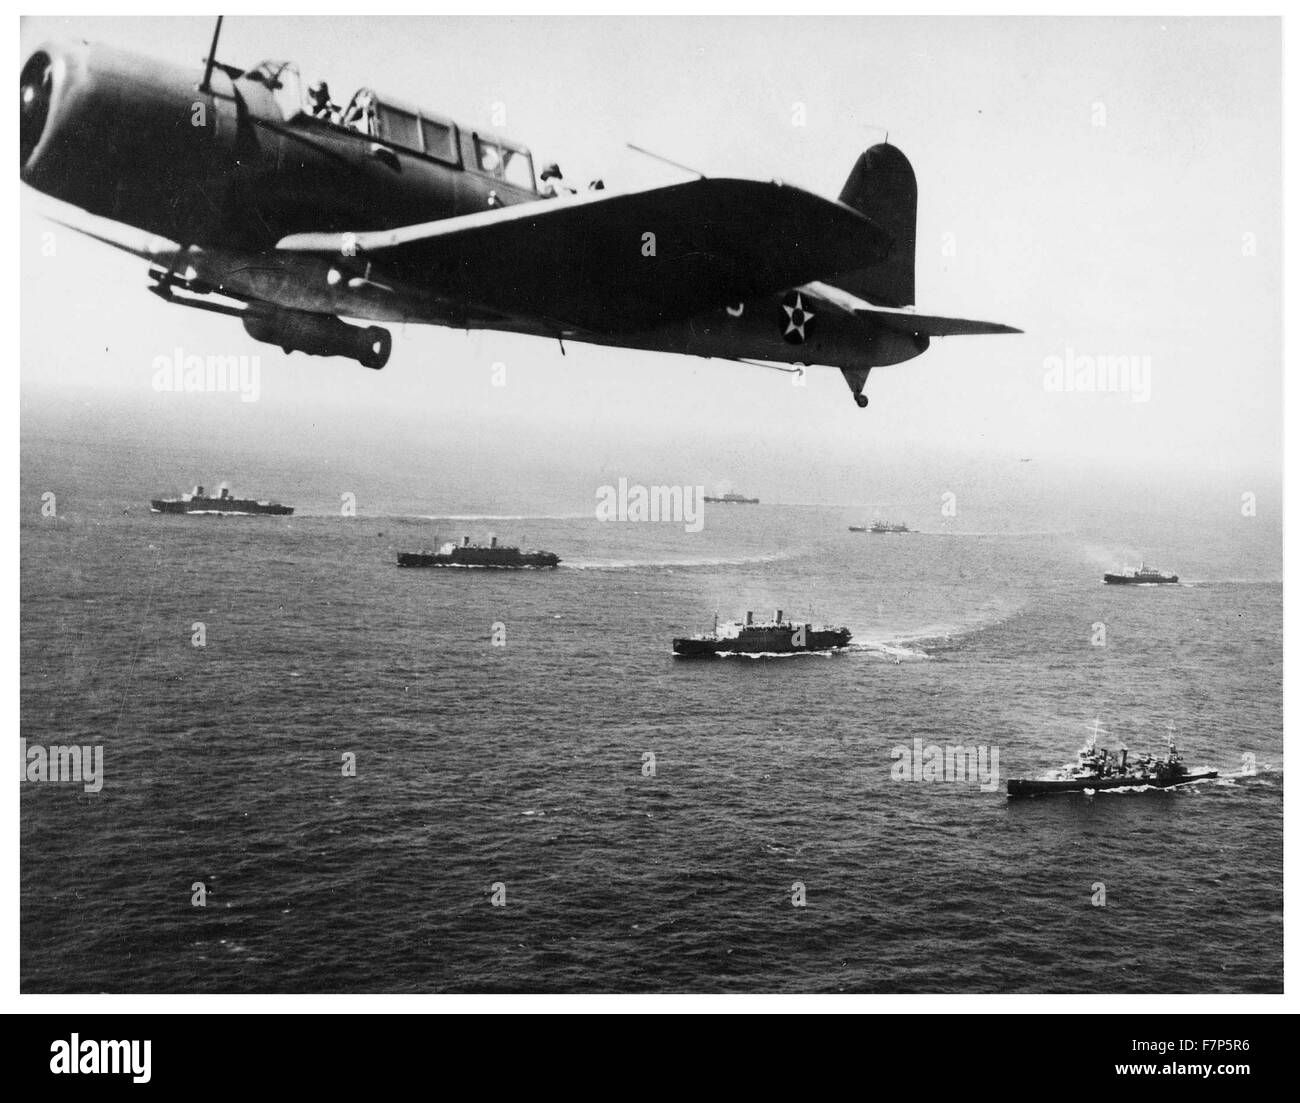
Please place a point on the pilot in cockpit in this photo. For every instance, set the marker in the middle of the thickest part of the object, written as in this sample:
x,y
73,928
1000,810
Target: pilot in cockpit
x,y
321,106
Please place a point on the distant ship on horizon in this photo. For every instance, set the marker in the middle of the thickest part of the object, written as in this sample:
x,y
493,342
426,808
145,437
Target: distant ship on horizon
x,y
732,499
196,501
881,527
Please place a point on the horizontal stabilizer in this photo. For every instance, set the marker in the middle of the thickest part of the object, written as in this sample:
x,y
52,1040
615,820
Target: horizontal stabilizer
x,y
904,321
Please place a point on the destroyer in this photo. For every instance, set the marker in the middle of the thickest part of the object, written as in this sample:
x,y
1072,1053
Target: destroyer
x,y
1099,769
466,554
225,502
1143,576
732,499
775,637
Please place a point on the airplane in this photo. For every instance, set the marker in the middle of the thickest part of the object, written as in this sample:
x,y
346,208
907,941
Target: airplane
x,y
269,203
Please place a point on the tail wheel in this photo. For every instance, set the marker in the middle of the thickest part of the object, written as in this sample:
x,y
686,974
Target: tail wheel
x,y
856,378
379,345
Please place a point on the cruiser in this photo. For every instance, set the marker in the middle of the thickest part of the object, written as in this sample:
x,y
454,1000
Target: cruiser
x,y
1099,769
1143,576
225,502
465,554
775,637
732,499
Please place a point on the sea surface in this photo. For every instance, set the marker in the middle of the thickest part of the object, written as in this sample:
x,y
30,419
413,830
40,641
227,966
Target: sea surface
x,y
506,831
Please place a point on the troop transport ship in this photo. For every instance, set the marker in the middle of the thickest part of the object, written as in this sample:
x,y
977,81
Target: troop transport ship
x,y
775,637
1143,576
493,556
225,502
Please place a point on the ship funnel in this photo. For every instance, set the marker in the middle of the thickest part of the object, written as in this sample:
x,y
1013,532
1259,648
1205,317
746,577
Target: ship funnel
x,y
778,616
492,541
198,492
749,618
1123,757
464,541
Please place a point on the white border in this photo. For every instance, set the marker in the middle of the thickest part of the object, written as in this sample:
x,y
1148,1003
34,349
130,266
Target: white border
x,y
13,1002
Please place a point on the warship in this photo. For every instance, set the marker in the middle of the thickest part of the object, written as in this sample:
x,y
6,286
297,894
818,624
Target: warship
x,y
749,637
491,556
1143,576
1099,769
225,502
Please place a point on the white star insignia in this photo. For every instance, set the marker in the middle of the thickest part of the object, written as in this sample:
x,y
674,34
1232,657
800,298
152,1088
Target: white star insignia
x,y
798,317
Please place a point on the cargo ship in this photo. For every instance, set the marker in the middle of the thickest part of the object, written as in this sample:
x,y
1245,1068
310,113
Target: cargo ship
x,y
1143,576
732,499
225,502
492,556
749,637
1099,769
880,527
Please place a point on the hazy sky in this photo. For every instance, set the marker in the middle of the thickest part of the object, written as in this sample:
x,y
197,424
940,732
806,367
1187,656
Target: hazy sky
x,y
1124,238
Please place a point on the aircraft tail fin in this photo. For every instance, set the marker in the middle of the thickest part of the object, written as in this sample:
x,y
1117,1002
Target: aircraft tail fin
x,y
882,186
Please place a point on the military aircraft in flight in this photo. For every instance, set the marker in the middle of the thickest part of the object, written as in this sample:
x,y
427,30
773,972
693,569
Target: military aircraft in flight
x,y
276,206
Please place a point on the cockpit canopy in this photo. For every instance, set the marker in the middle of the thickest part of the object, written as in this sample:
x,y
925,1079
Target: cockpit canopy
x,y
397,124
437,137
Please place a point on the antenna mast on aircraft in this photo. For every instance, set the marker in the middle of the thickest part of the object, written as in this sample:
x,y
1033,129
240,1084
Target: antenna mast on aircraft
x,y
206,86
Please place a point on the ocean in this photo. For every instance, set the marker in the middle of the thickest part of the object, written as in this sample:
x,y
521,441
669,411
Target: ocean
x,y
546,800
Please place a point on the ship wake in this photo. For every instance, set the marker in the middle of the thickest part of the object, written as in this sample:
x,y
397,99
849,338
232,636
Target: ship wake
x,y
685,563
823,654
501,516
893,650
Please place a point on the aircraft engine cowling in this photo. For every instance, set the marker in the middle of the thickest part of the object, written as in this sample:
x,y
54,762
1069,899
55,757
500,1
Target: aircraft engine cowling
x,y
319,335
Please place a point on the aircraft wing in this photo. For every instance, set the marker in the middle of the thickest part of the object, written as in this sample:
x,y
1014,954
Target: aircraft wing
x,y
904,321
607,262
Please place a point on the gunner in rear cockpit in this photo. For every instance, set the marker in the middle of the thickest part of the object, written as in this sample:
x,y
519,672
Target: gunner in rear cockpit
x,y
357,116
553,182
